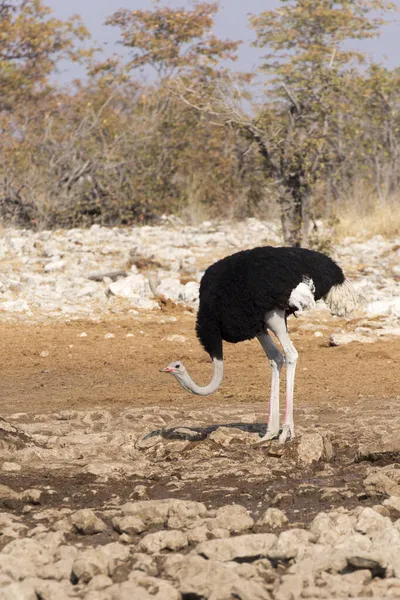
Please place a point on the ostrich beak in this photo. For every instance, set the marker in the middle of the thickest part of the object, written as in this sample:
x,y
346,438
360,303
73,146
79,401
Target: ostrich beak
x,y
166,370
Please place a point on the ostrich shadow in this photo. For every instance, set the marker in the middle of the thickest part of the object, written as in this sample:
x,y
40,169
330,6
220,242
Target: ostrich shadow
x,y
198,434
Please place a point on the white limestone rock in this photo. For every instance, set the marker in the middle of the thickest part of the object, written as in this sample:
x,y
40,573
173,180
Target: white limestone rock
x,y
15,306
170,512
87,522
249,547
340,339
233,518
153,543
191,293
390,306
273,517
198,577
131,286
172,289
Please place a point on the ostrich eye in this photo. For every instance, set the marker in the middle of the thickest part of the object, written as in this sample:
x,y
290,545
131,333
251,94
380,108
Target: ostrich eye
x,y
178,366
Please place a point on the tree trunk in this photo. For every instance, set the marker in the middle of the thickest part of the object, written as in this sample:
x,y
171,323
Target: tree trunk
x,y
291,218
293,192
293,203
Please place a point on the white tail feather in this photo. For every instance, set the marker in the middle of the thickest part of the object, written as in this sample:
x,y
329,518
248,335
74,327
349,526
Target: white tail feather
x,y
341,299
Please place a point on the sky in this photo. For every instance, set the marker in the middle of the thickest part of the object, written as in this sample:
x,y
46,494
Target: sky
x,y
231,22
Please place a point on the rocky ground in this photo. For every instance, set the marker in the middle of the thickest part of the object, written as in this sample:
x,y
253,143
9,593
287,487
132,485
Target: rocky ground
x,y
115,484
90,273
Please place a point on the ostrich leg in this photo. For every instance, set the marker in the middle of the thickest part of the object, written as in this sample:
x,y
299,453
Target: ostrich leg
x,y
276,361
275,321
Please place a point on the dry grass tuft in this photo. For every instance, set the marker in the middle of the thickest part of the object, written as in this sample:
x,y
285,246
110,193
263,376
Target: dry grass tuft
x,y
381,217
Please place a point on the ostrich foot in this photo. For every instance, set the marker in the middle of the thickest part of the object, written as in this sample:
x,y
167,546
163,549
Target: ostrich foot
x,y
286,433
272,434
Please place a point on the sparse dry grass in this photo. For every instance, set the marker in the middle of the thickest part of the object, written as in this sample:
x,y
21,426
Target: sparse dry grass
x,y
379,217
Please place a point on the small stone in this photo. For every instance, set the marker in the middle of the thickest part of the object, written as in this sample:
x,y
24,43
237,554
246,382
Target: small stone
x,y
396,270
139,492
384,307
89,564
383,482
142,587
233,517
340,339
109,336
219,533
280,498
199,534
11,467
86,522
153,543
331,528
129,524
372,524
10,527
197,577
56,265
116,554
44,353
250,546
381,510
100,582
171,289
15,306
392,505
226,435
311,448
6,493
32,495
385,448
63,525
290,587
161,512
134,285
273,517
180,339
289,543
191,293
144,562
361,562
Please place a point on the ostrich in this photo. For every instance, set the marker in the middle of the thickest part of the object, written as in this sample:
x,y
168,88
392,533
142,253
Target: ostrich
x,y
250,294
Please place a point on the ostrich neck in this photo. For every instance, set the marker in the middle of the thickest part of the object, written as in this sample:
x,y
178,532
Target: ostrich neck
x,y
214,384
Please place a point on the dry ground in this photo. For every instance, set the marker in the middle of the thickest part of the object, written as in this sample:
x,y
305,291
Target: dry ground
x,y
49,367
346,392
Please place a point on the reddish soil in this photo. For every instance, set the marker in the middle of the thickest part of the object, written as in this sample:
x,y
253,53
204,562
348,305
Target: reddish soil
x,y
82,372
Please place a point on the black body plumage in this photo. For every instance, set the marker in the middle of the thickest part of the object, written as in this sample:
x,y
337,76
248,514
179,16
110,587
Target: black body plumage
x,y
237,291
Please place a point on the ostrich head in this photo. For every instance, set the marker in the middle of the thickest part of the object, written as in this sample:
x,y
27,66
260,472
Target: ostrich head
x,y
178,370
